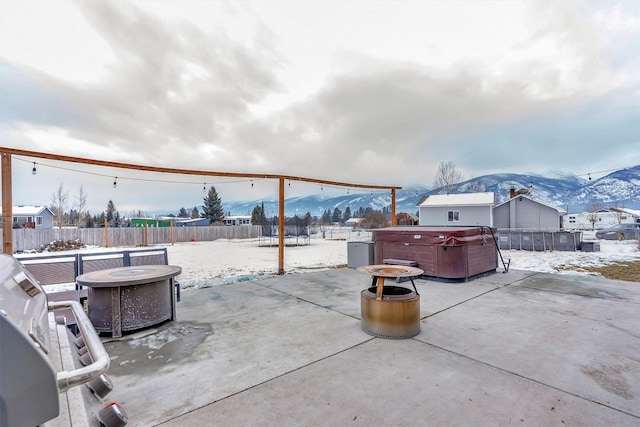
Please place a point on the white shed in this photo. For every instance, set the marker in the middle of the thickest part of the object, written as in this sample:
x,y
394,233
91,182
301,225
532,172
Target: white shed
x,y
460,210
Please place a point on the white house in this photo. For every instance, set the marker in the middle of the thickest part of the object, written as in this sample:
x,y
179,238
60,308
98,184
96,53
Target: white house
x,y
521,212
352,222
603,218
39,217
461,210
237,220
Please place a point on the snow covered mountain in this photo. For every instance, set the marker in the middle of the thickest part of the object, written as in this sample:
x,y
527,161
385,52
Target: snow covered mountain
x,y
620,188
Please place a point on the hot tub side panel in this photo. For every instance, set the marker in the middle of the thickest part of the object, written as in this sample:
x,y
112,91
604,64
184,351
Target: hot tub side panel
x,y
424,255
482,258
452,262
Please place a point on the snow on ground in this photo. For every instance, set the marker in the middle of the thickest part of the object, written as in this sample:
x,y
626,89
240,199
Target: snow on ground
x,y
551,261
223,261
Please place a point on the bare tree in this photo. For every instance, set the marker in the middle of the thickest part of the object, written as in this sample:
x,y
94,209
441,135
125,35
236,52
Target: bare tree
x,y
446,178
80,205
594,209
59,206
618,209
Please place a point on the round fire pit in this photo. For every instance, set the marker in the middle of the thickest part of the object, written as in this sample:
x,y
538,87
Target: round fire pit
x,y
395,315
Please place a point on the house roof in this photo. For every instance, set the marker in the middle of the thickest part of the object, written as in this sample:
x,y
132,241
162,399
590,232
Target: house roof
x,y
354,220
464,199
533,200
410,215
28,210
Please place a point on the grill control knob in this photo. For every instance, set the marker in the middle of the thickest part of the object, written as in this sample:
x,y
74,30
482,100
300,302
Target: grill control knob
x,y
101,386
113,415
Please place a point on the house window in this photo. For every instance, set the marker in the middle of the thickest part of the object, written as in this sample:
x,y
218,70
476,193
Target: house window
x,y
38,220
453,216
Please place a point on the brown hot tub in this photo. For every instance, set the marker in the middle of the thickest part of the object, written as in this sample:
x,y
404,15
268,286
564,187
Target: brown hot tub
x,y
441,252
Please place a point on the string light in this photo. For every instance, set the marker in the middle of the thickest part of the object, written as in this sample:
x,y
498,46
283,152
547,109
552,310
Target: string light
x,y
169,181
115,181
589,177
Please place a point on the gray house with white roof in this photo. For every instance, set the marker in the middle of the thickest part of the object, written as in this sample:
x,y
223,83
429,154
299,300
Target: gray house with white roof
x,y
459,210
521,212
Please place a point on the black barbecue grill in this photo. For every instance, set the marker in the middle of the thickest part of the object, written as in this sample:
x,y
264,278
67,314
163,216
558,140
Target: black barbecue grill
x,y
50,375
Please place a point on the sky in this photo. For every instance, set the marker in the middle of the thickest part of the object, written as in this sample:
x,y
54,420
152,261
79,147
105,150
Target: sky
x,y
367,92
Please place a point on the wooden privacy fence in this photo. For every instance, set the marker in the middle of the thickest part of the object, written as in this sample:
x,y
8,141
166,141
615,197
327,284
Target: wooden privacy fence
x,y
29,239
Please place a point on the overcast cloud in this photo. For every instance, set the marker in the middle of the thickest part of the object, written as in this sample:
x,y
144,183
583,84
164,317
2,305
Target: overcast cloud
x,y
367,92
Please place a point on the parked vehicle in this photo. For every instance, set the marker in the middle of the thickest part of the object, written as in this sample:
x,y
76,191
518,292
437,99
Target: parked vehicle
x,y
620,232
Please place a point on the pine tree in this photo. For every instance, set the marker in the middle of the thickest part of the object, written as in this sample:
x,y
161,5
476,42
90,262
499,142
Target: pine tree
x,y
326,216
347,214
337,215
256,215
195,213
212,209
113,217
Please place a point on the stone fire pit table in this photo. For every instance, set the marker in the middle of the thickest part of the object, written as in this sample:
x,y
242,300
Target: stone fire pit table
x,y
390,311
130,298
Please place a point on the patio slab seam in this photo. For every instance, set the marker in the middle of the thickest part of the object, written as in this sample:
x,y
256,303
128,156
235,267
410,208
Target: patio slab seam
x,y
556,291
498,287
515,374
282,375
305,300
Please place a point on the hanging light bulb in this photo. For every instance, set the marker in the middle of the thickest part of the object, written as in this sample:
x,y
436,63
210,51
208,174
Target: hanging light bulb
x,y
321,188
589,177
251,183
115,182
204,187
289,183
34,171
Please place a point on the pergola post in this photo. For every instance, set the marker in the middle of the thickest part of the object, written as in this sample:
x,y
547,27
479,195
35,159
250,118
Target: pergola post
x,y
281,227
7,205
393,207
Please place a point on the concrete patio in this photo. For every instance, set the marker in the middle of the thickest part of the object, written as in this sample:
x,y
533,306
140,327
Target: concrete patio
x,y
519,348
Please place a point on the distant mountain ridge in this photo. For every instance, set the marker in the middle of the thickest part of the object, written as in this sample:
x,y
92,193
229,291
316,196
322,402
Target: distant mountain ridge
x,y
573,194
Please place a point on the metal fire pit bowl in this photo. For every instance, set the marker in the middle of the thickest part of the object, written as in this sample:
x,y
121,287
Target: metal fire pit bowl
x,y
396,315
390,311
